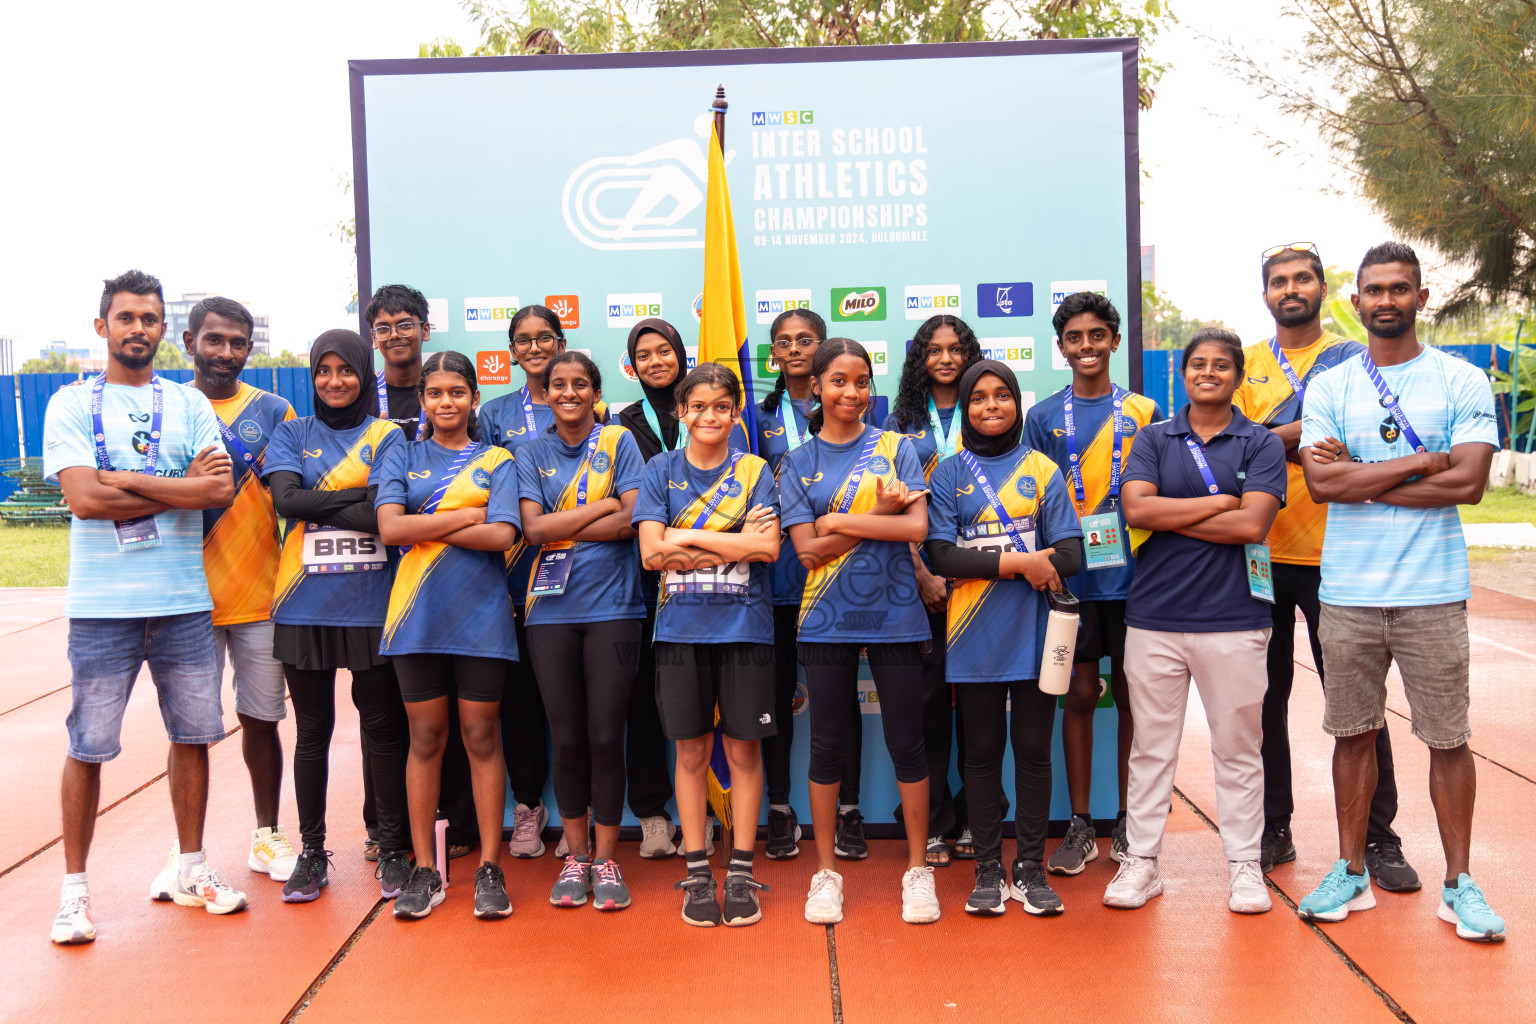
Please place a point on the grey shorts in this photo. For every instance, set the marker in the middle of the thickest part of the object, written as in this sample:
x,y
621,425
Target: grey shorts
x,y
1429,644
260,692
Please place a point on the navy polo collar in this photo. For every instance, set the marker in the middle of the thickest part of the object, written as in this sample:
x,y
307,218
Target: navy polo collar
x,y
1241,426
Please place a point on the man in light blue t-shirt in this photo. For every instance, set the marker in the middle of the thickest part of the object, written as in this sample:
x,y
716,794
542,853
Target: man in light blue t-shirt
x,y
1394,439
138,459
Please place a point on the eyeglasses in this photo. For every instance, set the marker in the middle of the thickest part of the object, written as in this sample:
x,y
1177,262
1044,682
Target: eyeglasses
x,y
785,344
546,341
1274,251
405,328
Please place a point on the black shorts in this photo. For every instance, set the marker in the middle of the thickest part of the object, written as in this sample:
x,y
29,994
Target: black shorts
x,y
429,676
692,678
1100,631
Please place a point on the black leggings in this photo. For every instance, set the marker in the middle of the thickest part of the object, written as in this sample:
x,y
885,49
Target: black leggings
x,y
832,673
524,743
586,671
987,733
385,738
645,746
777,748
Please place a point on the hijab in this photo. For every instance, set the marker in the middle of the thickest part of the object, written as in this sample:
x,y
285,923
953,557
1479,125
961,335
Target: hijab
x,y
357,354
974,440
663,399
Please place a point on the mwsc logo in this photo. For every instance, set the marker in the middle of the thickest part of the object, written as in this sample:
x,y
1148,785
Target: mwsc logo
x,y
925,300
489,314
774,118
1017,354
773,301
1061,289
626,309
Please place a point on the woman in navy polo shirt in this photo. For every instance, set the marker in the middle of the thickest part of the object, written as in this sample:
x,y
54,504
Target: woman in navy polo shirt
x,y
1206,485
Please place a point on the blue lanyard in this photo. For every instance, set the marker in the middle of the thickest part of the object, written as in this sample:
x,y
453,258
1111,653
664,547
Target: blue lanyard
x,y
421,415
650,417
1117,397
586,463
858,473
719,493
792,435
946,442
992,500
1390,403
1285,368
1205,467
98,429
529,419
443,483
236,448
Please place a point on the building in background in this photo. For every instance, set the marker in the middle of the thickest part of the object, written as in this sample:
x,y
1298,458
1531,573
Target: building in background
x,y
177,310
92,359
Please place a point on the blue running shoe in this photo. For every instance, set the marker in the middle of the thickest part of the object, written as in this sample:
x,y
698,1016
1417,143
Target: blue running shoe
x,y
1338,894
1466,908
575,881
608,889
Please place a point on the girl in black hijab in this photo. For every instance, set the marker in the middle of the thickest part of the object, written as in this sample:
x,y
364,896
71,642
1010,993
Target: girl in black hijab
x,y
659,359
328,607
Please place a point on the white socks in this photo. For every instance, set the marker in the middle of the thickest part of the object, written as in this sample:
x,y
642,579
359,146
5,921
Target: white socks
x,y
188,863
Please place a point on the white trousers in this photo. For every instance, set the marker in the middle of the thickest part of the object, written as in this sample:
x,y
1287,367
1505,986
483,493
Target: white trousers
x,y
1229,670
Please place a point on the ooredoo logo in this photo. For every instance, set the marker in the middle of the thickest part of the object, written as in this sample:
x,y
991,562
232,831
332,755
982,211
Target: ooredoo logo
x,y
925,300
566,307
493,368
773,301
858,303
489,314
625,309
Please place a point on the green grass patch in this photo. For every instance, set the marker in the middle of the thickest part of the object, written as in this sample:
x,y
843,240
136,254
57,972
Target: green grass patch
x,y
1502,505
35,556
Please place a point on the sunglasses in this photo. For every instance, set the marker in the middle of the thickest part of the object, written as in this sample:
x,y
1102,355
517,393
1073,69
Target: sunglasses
x,y
1276,250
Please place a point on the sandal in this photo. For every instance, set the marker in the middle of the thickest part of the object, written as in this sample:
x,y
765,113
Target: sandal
x,y
937,854
965,846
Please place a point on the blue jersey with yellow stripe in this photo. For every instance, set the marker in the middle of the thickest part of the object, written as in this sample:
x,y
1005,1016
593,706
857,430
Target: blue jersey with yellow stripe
x,y
786,577
995,625
329,460
604,581
675,492
446,599
869,594
924,438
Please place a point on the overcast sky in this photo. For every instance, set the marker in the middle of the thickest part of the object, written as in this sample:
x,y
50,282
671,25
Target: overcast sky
x,y
206,142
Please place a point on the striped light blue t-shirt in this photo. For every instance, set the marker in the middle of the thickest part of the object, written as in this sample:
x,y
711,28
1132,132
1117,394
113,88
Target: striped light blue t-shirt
x,y
1379,555
168,579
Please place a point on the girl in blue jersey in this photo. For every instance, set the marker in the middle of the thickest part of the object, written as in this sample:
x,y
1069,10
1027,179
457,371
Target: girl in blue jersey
x,y
576,488
708,521
450,503
1003,527
795,334
329,606
926,412
853,501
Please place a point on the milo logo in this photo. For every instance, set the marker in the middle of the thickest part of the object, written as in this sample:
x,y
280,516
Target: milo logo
x,y
858,304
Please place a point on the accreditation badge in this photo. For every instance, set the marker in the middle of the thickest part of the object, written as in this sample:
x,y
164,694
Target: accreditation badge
x,y
329,549
553,569
137,534
1261,584
1103,543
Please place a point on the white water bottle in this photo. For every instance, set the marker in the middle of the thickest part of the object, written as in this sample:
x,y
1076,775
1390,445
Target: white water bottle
x,y
1060,644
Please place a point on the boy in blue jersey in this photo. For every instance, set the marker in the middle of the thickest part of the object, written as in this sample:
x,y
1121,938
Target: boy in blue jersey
x,y
1087,429
1394,440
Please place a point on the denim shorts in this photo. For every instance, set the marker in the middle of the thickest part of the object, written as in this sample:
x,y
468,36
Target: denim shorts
x,y
1433,655
260,690
105,656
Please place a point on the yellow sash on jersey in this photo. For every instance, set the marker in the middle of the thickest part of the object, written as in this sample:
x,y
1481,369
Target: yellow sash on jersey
x,y
599,482
968,595
732,509
818,581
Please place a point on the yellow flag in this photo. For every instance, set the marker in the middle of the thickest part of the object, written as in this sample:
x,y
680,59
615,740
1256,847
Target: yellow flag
x,y
723,318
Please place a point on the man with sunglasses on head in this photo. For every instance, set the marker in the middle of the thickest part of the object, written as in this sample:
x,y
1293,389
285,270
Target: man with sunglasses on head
x,y
1271,393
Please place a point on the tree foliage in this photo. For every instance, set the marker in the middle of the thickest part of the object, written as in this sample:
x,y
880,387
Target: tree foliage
x,y
1432,106
52,362
1163,324
169,357
262,361
621,26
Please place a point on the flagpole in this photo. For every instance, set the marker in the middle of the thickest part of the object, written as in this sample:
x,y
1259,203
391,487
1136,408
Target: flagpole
x,y
720,107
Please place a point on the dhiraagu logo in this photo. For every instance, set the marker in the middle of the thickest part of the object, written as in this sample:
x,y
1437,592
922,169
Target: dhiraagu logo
x,y
926,300
625,309
489,314
1018,354
858,304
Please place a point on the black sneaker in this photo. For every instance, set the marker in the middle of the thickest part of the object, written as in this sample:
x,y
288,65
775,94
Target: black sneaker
x,y
1387,867
1276,846
700,907
850,843
393,872
491,892
1076,850
1031,889
783,835
990,897
423,892
310,875
741,906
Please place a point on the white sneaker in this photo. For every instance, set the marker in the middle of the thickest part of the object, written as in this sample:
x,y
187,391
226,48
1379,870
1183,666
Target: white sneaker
x,y
709,838
824,905
919,902
656,838
1249,893
528,831
1136,882
74,923
163,888
206,890
271,854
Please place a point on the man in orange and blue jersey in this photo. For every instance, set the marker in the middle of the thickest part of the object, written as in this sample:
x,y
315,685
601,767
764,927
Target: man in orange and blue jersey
x,y
1271,393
